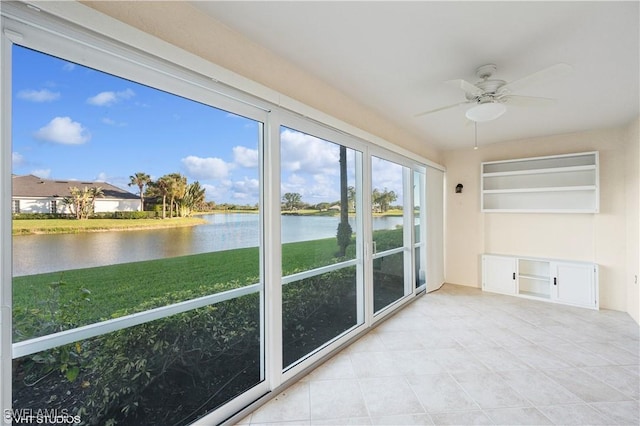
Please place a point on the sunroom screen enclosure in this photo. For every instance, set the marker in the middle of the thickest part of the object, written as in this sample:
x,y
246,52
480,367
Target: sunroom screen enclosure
x,y
278,252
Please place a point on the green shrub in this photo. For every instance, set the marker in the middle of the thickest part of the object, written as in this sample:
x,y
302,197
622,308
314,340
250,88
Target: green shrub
x,y
25,216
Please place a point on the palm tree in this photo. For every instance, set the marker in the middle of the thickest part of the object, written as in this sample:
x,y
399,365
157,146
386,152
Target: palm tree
x,y
140,179
177,188
193,198
161,187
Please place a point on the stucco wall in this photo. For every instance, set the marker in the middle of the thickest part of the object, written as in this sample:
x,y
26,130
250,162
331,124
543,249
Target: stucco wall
x,y
600,238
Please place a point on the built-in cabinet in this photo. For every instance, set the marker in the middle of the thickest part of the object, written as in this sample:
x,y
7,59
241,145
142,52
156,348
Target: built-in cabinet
x,y
554,184
560,281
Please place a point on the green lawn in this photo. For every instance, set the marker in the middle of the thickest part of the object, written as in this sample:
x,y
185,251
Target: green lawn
x,y
72,226
130,287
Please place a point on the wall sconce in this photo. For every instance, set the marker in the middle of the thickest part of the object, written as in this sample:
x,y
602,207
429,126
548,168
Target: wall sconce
x,y
459,188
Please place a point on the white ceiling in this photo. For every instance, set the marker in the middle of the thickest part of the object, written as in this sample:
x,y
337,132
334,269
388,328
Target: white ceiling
x,y
394,57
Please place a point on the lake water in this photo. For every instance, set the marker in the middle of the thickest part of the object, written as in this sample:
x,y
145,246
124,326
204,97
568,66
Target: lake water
x,y
34,254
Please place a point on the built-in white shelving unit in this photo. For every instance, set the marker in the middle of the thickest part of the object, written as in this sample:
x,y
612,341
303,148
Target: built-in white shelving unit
x,y
556,184
559,281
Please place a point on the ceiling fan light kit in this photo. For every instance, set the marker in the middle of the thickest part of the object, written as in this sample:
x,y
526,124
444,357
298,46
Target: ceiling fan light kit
x,y
486,112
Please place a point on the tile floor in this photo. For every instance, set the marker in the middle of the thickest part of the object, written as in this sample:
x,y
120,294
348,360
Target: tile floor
x,y
461,356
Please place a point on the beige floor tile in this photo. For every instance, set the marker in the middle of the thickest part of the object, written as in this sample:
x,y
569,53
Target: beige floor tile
x,y
333,399
374,364
585,386
387,396
623,413
290,405
408,419
538,388
517,416
338,367
538,357
500,359
416,362
618,378
440,392
345,421
400,340
489,390
462,418
575,414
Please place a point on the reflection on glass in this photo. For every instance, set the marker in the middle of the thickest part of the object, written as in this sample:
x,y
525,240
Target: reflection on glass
x,y
419,270
319,194
388,280
146,161
170,371
418,217
173,185
318,197
316,310
388,268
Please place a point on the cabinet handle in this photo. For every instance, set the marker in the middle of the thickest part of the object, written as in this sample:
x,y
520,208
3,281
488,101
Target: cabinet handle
x,y
514,275
555,281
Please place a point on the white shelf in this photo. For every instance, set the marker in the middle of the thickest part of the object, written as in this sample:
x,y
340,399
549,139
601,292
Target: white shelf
x,y
543,189
534,277
540,171
534,294
560,184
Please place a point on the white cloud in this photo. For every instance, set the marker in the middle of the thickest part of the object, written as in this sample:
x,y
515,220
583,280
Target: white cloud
x,y
17,159
43,95
102,177
245,157
206,168
110,98
302,152
69,66
246,189
111,122
41,173
386,174
65,131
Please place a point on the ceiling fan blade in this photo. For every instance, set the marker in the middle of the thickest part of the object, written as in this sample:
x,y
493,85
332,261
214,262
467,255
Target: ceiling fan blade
x,y
440,109
553,71
469,88
518,100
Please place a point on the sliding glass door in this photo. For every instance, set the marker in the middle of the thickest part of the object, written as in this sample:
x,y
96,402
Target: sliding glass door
x,y
390,241
321,239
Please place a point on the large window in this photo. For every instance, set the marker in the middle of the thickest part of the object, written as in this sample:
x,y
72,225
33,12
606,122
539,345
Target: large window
x,y
157,319
321,260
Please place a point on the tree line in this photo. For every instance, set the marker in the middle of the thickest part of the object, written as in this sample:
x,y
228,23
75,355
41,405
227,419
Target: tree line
x,y
180,197
381,201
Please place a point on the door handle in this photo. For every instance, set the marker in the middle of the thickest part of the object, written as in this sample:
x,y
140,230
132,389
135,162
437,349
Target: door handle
x,y
514,275
555,281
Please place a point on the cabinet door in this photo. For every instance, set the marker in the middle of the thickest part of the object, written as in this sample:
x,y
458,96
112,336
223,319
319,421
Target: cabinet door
x,y
575,284
498,274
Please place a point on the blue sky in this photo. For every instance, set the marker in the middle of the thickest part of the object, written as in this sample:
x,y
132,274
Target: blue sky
x,y
74,123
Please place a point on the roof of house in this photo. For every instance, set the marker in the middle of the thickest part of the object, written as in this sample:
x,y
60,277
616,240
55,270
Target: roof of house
x,y
33,186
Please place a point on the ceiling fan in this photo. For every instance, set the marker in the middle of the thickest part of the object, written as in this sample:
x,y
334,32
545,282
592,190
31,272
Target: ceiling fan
x,y
490,96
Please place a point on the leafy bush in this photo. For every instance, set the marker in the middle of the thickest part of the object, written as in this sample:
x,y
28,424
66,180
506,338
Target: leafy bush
x,y
143,373
25,216
175,369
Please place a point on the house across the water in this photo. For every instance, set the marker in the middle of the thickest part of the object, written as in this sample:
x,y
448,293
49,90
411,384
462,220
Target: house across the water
x,y
32,194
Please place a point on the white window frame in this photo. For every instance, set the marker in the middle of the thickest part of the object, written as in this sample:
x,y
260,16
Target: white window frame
x,y
55,38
